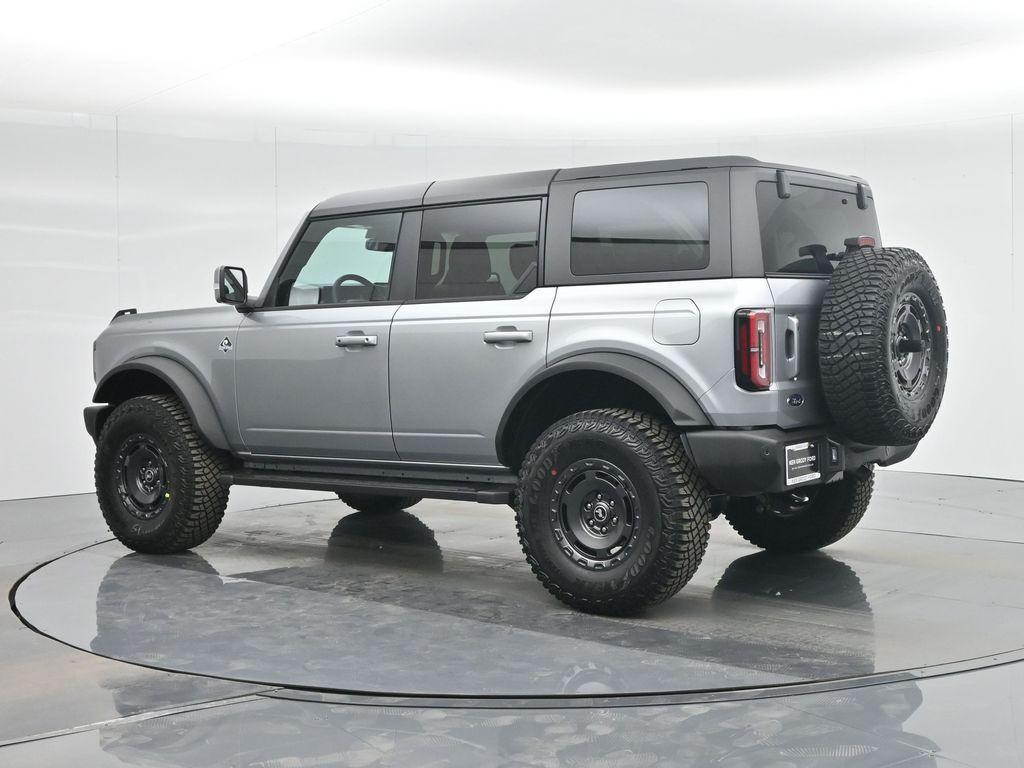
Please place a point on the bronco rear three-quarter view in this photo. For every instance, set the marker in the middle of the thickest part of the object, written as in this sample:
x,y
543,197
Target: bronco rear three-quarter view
x,y
619,352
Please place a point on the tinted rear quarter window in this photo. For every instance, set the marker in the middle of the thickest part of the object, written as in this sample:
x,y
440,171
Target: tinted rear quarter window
x,y
811,215
658,228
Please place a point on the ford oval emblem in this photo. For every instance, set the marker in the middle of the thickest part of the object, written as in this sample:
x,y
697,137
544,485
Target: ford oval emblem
x,y
796,400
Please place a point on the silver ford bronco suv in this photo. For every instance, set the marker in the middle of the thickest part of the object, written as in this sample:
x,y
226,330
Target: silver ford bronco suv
x,y
619,352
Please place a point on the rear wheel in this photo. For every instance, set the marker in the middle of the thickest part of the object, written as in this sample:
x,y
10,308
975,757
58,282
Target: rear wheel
x,y
372,504
157,481
803,519
611,514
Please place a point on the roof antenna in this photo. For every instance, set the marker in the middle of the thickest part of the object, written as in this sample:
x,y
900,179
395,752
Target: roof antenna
x,y
782,185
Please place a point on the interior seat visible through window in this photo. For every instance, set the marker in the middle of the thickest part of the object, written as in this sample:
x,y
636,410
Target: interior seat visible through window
x,y
469,273
522,262
478,251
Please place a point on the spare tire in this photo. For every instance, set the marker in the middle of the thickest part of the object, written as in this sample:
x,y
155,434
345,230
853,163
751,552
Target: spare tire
x,y
882,346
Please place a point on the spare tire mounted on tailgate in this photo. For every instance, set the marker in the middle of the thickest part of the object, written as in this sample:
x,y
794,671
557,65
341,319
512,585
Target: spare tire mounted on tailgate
x,y
882,346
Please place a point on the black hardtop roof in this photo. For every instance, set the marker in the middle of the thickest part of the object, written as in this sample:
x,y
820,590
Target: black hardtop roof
x,y
525,184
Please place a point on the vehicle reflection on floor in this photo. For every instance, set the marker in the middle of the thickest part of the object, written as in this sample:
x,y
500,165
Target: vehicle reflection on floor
x,y
385,584
392,605
861,726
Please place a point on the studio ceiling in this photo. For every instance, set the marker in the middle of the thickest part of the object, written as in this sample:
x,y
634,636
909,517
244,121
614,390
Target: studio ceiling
x,y
521,68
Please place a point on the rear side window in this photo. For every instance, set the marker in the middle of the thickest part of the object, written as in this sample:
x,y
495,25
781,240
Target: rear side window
x,y
660,228
478,251
809,216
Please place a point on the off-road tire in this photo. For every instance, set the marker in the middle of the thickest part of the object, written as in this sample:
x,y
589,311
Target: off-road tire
x,y
671,521
856,346
834,511
376,504
193,498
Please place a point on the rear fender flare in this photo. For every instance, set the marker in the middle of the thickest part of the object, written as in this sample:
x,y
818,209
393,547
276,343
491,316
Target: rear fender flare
x,y
670,393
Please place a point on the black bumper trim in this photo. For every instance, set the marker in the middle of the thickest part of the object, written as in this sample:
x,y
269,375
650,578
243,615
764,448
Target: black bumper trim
x,y
746,462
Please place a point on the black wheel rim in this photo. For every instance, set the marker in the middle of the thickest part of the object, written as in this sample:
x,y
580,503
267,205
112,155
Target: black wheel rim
x,y
910,346
595,513
142,477
791,503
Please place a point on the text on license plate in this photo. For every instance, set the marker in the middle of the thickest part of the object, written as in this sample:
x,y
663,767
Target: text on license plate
x,y
801,463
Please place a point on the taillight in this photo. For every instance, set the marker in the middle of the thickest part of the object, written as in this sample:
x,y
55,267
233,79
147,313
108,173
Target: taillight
x,y
754,349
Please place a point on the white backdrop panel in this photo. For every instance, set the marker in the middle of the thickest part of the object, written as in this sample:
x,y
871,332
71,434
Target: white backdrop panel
x,y
96,217
190,196
58,275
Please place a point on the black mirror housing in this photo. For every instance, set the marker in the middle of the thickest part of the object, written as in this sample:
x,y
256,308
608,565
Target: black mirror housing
x,y
231,286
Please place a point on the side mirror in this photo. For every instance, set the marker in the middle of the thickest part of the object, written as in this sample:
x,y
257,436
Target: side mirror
x,y
231,286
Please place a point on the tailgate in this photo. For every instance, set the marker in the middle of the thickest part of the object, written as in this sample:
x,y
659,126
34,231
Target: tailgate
x,y
795,350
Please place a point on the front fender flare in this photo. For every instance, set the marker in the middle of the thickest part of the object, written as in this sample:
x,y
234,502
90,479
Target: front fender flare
x,y
185,385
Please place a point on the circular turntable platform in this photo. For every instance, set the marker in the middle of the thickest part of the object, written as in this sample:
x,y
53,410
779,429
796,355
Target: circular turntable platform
x,y
439,602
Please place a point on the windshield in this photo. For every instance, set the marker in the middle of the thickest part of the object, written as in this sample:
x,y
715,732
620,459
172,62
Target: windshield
x,y
809,217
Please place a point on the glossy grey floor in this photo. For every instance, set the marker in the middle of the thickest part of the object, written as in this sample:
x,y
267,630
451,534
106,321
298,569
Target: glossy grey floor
x,y
438,603
412,603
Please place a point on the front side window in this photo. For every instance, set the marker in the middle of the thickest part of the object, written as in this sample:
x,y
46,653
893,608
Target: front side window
x,y
479,251
809,218
660,228
341,261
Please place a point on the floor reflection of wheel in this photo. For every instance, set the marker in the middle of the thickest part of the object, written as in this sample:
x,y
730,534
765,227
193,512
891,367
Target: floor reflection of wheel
x,y
367,503
814,578
385,539
805,518
133,609
611,514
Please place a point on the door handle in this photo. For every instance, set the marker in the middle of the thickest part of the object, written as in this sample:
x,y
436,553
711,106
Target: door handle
x,y
792,348
356,340
507,335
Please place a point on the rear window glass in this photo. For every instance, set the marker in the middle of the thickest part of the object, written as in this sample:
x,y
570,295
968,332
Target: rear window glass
x,y
662,228
810,216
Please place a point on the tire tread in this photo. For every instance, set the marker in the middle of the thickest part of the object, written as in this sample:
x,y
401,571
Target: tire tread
x,y
196,517
853,346
834,514
684,507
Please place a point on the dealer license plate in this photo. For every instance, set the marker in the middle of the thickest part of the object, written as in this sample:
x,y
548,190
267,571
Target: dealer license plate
x,y
801,463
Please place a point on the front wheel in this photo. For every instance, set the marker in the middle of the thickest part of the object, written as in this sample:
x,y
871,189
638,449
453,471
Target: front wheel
x,y
611,514
157,481
805,518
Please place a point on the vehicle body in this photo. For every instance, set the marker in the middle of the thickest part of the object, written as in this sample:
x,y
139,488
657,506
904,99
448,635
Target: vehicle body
x,y
417,341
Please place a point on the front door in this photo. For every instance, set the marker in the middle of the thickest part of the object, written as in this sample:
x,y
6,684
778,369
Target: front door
x,y
312,366
474,333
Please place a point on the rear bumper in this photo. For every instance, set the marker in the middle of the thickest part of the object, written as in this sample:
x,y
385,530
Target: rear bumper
x,y
746,462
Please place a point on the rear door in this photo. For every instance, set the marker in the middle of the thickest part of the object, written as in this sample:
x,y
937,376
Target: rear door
x,y
473,333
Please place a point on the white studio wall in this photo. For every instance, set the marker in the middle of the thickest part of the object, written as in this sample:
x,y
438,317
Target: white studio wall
x,y
98,214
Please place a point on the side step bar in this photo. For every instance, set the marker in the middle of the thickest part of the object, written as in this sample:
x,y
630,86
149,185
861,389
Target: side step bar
x,y
485,493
